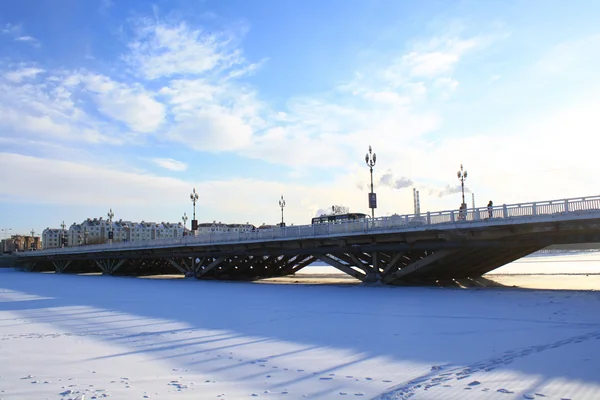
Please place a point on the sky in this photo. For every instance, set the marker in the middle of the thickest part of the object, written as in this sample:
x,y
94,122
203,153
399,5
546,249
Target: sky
x,y
129,105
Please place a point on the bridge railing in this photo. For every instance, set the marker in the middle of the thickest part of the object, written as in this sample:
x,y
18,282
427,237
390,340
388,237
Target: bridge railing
x,y
408,222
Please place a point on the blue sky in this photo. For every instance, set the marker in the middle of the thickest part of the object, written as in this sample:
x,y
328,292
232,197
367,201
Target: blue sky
x,y
130,104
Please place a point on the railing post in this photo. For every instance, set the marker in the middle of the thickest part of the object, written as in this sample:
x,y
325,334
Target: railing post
x,y
428,218
566,205
505,211
534,209
452,216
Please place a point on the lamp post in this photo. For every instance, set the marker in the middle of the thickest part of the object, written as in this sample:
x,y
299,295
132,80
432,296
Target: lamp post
x,y
32,240
370,159
194,198
282,205
63,234
184,219
462,175
110,216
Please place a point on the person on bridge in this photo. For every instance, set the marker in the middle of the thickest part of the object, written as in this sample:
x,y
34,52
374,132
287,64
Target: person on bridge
x,y
490,208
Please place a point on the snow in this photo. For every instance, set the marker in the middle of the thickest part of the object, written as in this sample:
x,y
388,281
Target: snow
x,y
96,337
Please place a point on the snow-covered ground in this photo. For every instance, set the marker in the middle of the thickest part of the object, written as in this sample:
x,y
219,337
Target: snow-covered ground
x,y
70,336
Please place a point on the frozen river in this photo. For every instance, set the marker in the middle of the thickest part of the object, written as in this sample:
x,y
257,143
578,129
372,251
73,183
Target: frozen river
x,y
91,337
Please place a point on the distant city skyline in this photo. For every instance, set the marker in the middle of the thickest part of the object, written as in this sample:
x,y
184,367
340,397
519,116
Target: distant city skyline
x,y
130,105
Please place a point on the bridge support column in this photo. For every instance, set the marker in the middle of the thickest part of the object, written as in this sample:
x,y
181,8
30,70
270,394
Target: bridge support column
x,y
61,265
215,263
297,264
109,267
415,266
342,267
183,266
373,276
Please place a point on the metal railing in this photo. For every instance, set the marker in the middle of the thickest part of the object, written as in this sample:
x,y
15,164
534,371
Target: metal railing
x,y
535,211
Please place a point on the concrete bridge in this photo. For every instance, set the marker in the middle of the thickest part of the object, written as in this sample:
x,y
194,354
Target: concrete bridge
x,y
432,246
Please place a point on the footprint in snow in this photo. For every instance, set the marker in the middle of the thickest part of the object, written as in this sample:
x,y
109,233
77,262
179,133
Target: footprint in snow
x,y
504,391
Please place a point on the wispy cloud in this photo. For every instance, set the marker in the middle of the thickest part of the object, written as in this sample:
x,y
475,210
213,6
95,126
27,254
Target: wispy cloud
x,y
170,50
130,104
19,75
170,164
16,31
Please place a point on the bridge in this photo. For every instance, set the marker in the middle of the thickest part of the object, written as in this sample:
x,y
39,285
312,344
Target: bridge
x,y
424,248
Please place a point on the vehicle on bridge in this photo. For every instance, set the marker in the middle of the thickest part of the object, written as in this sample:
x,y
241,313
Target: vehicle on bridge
x,y
328,219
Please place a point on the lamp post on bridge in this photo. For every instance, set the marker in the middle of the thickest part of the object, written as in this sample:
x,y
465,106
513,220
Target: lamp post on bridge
x,y
110,216
194,198
282,205
184,219
32,240
370,159
462,175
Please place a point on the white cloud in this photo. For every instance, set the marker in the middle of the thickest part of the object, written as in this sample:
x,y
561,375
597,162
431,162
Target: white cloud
x,y
25,39
16,31
447,85
130,104
22,74
170,164
429,64
213,129
164,50
434,58
47,109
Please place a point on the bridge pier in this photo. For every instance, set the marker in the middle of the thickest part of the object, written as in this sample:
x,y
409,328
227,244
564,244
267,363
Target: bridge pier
x,y
416,265
203,270
328,259
110,266
297,263
61,265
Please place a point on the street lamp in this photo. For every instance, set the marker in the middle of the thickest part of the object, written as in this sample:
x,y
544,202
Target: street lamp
x,y
32,240
184,219
63,237
282,204
194,198
462,175
110,216
370,159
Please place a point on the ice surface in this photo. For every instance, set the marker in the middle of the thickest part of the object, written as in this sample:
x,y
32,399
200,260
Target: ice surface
x,y
121,338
